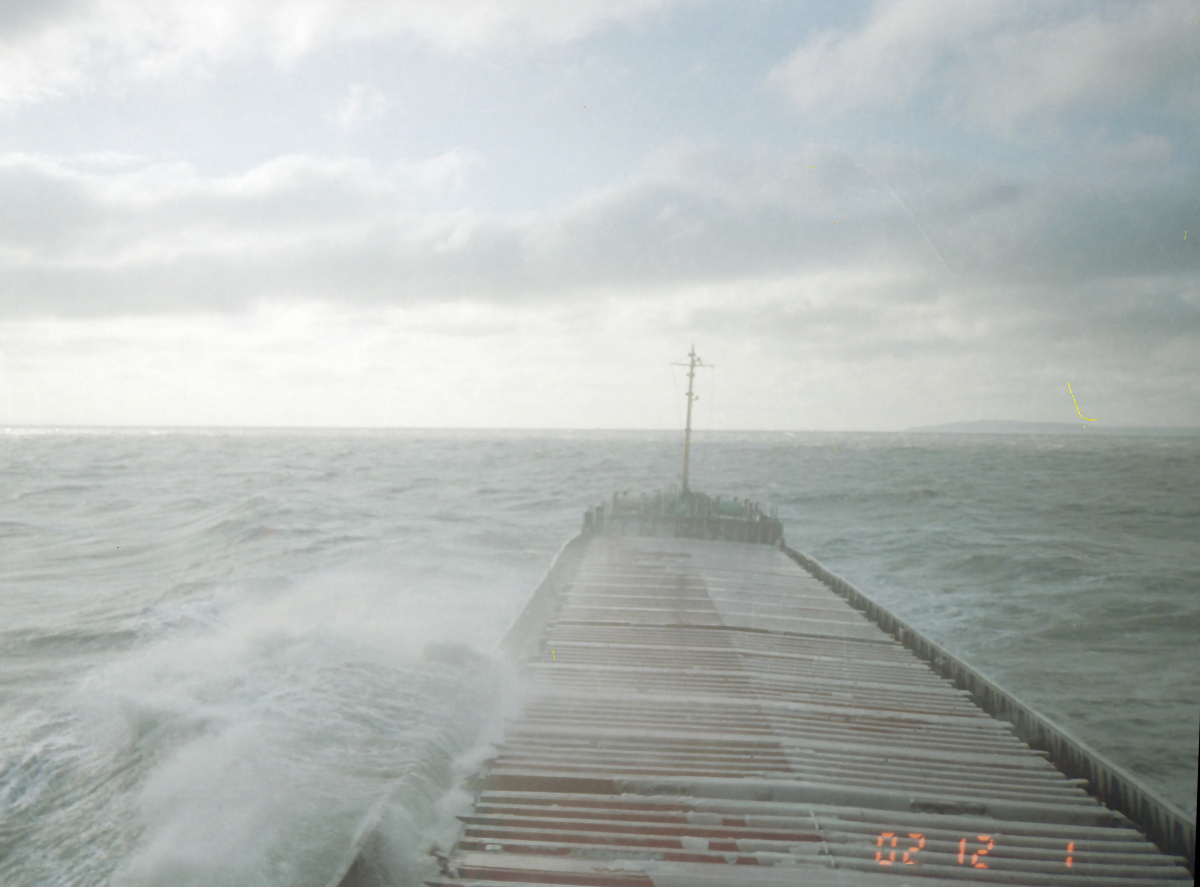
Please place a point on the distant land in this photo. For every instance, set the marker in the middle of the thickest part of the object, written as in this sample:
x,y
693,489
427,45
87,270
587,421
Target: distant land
x,y
1093,428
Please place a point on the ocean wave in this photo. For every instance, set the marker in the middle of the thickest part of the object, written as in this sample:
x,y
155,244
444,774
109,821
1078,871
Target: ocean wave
x,y
240,687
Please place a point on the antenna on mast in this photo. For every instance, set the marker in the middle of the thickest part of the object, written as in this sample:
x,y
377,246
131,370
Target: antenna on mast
x,y
693,362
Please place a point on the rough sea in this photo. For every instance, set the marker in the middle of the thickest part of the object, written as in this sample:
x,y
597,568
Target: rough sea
x,y
224,653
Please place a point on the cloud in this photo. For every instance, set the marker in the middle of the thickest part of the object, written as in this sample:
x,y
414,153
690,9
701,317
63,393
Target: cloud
x,y
82,239
902,288
162,237
1008,68
886,61
451,171
871,350
56,48
17,16
363,105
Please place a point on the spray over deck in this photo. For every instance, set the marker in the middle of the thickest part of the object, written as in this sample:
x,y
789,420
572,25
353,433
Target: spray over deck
x,y
709,706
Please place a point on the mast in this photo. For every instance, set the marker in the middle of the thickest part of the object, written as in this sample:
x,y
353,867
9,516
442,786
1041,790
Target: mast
x,y
693,362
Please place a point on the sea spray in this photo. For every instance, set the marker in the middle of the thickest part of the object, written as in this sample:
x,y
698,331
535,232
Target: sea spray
x,y
248,746
399,842
317,704
280,804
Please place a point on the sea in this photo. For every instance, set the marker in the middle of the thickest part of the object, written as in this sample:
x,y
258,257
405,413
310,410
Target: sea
x,y
225,655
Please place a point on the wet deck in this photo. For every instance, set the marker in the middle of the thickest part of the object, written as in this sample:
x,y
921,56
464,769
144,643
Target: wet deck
x,y
707,713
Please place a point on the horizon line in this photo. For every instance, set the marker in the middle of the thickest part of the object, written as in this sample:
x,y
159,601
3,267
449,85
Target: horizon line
x,y
956,427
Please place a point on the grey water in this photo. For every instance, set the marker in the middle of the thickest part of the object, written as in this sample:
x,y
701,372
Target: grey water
x,y
223,652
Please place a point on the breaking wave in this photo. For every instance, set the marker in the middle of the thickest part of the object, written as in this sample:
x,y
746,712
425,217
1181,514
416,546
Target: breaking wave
x,y
250,747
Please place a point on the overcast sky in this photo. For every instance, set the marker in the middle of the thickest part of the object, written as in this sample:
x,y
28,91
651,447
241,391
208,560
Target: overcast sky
x,y
516,213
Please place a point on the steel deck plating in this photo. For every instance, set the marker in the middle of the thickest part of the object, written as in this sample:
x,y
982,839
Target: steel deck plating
x,y
706,712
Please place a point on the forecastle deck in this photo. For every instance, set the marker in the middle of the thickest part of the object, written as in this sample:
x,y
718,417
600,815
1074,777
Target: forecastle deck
x,y
707,712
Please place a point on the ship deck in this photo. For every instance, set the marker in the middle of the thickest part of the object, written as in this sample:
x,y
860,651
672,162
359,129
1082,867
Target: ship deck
x,y
708,713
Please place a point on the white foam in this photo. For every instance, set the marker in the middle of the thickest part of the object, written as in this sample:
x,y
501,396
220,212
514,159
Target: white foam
x,y
268,736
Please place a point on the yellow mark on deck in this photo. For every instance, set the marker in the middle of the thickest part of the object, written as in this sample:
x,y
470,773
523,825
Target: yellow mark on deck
x,y
1081,415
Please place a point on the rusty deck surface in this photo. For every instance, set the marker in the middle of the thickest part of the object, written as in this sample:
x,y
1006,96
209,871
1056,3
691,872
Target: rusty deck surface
x,y
708,713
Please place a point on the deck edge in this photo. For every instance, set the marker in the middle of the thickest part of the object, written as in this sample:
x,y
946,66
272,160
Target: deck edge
x,y
523,636
1162,822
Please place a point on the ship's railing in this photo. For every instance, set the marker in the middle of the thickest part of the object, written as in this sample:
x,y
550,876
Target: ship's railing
x,y
686,514
1162,822
523,636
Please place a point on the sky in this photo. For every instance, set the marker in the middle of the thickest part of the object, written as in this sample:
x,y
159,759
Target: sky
x,y
518,213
